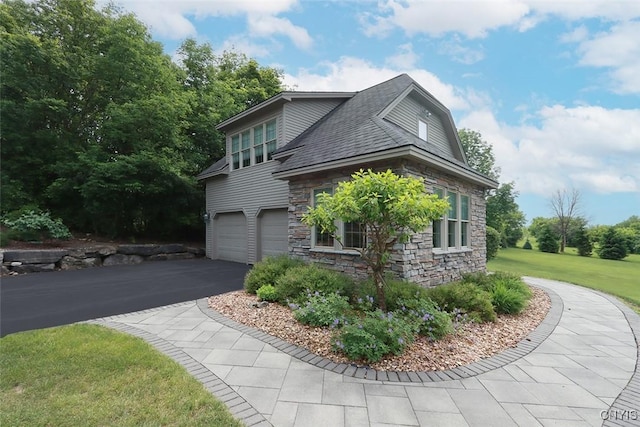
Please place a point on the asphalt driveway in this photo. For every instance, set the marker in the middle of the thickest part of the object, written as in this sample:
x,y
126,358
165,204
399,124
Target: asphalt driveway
x,y
42,300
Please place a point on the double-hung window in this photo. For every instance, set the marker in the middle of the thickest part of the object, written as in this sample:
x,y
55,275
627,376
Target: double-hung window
x,y
254,146
451,231
352,234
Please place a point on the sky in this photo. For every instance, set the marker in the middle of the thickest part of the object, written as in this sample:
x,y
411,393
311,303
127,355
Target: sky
x,y
552,85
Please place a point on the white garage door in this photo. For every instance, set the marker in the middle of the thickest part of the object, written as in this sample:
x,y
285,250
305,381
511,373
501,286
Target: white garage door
x,y
274,227
231,237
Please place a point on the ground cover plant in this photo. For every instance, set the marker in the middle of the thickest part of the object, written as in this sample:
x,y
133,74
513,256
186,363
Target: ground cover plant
x,y
618,278
82,375
366,333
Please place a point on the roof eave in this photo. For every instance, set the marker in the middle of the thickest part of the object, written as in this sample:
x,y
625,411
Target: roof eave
x,y
407,151
223,171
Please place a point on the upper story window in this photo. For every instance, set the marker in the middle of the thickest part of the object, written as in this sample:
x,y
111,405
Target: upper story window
x,y
452,230
422,130
352,234
253,146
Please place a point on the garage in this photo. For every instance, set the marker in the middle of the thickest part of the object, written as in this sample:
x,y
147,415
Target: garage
x,y
274,228
231,236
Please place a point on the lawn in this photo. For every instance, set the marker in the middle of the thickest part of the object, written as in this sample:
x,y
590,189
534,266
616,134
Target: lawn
x,y
83,375
620,278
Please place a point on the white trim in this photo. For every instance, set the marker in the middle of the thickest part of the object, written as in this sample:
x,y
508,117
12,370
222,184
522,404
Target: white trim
x,y
445,220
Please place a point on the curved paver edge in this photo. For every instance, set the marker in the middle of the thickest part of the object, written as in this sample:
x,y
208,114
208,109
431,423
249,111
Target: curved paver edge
x,y
238,406
626,406
524,347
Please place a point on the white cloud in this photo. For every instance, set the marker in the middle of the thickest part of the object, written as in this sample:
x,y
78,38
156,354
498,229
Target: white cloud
x,y
405,58
471,18
587,147
173,19
243,44
475,18
267,25
459,53
354,74
617,49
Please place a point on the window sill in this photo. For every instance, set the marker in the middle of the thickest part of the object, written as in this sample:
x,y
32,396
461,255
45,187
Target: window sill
x,y
451,251
335,251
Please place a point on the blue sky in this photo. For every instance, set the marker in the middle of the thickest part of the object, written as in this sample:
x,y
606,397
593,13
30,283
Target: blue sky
x,y
554,86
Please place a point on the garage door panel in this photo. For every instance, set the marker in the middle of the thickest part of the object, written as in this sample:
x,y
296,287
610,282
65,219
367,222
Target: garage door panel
x,y
274,229
231,237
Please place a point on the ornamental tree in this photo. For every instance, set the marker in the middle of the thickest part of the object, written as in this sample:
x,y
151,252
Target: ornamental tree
x,y
389,207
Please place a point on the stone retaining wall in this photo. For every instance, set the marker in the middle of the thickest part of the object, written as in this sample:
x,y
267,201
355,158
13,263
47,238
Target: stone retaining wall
x,y
16,261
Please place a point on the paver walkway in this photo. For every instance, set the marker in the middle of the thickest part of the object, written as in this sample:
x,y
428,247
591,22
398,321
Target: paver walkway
x,y
582,373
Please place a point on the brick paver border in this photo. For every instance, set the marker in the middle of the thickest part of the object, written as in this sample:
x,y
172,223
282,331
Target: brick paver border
x,y
238,406
524,347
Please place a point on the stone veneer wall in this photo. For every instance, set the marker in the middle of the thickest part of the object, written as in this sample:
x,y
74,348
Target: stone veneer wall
x,y
414,260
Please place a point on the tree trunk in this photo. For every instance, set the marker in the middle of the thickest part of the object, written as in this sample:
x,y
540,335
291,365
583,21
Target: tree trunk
x,y
378,281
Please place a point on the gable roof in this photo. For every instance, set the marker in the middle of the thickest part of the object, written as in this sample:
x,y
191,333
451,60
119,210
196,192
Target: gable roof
x,y
357,132
277,101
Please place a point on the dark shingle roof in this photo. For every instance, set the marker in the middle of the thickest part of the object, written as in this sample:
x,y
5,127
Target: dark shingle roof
x,y
216,167
351,129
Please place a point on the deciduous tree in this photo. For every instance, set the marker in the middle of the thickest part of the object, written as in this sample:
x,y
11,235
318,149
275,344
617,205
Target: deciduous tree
x,y
565,205
387,206
479,153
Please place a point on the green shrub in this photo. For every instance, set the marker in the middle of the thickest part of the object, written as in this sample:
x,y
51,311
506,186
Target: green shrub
x,y
493,242
267,272
507,300
372,337
427,319
33,225
295,283
267,293
395,290
468,297
322,310
509,294
527,245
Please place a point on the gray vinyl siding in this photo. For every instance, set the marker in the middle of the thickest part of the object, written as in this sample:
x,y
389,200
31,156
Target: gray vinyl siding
x,y
248,125
406,115
299,115
244,190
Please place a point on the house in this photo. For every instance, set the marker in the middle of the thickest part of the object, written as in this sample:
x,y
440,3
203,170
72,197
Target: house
x,y
285,151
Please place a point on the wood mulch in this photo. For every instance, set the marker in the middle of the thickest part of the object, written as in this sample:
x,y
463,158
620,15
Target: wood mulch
x,y
471,342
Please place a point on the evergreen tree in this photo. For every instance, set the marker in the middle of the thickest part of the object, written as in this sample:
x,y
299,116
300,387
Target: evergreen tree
x,y
582,242
612,245
549,241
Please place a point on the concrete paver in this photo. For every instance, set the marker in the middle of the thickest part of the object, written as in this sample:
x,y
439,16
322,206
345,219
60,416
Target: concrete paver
x,y
578,363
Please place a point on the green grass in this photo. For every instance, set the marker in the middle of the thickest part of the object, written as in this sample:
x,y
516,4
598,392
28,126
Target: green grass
x,y
82,375
620,278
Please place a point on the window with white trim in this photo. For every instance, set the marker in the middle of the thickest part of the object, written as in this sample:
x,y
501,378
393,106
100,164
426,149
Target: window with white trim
x,y
254,146
353,234
451,231
422,130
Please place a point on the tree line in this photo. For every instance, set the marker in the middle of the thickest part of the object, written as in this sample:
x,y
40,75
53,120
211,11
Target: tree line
x,y
609,242
103,129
